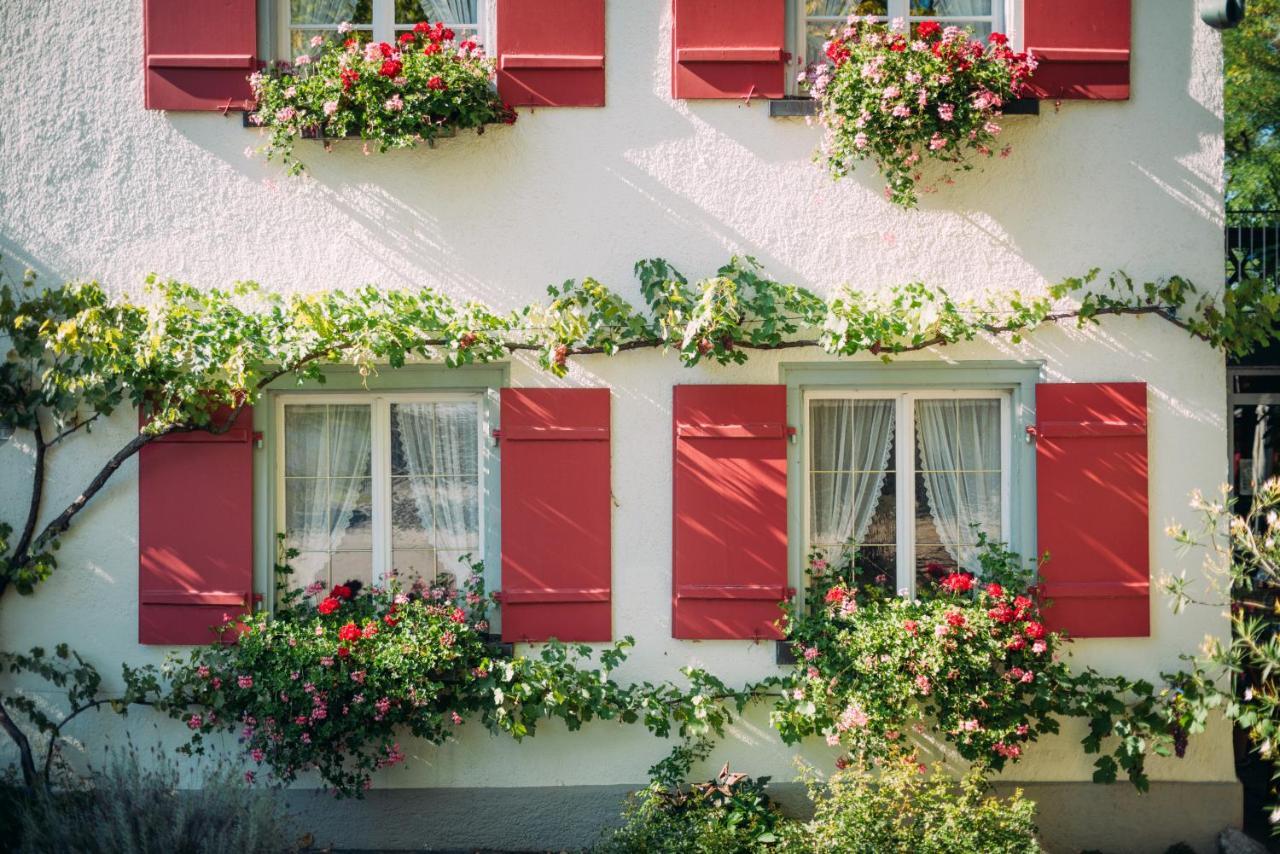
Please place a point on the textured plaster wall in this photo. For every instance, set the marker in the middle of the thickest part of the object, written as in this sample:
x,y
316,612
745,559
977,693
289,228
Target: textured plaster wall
x,y
93,185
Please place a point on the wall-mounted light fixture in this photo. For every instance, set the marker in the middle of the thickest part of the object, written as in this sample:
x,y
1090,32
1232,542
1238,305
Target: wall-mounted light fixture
x,y
1222,14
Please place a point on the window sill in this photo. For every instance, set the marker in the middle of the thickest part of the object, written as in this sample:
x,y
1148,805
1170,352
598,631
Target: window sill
x,y
798,107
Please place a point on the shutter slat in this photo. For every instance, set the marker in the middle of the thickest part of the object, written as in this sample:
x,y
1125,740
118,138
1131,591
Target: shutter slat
x,y
556,515
551,53
1092,507
195,532
1082,47
728,49
198,53
730,511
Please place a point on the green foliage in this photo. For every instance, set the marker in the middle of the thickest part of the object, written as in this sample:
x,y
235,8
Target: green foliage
x,y
899,99
896,806
132,806
970,661
728,814
1252,108
1239,677
396,95
333,680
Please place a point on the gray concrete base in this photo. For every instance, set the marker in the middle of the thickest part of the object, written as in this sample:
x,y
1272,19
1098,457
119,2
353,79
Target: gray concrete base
x,y
1073,817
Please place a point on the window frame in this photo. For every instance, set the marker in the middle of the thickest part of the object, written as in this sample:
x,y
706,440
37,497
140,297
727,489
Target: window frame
x,y
1006,17
344,383
382,27
904,444
1015,379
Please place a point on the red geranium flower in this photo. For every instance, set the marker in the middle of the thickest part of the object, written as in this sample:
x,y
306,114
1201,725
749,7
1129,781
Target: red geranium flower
x,y
343,652
405,38
389,620
957,582
390,68
898,46
995,590
955,618
421,27
349,77
458,615
436,82
341,591
349,632
328,605
1002,613
998,38
929,28
836,594
431,48
386,49
1035,631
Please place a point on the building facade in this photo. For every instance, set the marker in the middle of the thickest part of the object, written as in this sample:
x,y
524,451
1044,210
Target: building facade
x,y
670,161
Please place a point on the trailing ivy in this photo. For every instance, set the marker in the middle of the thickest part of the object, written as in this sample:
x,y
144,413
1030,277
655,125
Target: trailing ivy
x,y
77,353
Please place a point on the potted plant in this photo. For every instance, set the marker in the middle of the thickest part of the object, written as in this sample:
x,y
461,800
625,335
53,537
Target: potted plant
x,y
424,86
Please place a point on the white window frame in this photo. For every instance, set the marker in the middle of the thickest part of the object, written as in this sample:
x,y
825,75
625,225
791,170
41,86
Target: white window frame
x,y
1005,17
383,26
380,461
905,474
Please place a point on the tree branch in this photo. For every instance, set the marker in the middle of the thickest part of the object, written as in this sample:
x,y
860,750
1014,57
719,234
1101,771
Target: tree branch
x,y
25,759
73,428
37,491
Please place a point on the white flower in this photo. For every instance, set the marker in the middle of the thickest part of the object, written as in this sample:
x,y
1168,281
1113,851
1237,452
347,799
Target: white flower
x,y
344,27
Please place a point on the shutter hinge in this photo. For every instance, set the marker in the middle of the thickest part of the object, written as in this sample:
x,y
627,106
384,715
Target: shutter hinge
x,y
495,436
788,593
1032,433
257,440
791,434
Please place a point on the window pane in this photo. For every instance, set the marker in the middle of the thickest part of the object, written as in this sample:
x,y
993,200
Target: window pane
x,y
844,8
300,39
328,492
435,483
957,482
979,30
853,485
351,566
448,11
411,564
331,11
951,8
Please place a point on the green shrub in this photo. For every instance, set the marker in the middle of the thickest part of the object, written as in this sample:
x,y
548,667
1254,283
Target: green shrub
x,y
900,807
136,807
726,815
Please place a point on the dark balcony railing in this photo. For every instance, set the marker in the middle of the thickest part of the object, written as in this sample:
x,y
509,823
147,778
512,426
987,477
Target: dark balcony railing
x,y
1253,244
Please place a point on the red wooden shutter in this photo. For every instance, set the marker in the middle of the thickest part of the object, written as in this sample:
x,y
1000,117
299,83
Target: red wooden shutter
x,y
195,532
556,514
199,53
1082,47
1091,494
551,53
730,511
728,49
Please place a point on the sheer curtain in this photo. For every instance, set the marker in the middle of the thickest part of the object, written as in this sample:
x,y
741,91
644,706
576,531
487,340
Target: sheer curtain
x,y
850,452
439,457
327,466
959,444
958,8
450,11
327,12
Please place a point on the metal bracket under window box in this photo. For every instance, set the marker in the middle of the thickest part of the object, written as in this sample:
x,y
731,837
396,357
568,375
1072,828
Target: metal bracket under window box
x,y
495,644
799,107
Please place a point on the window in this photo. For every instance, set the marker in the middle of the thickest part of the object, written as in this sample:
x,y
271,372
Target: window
x,y
912,477
370,484
819,16
382,20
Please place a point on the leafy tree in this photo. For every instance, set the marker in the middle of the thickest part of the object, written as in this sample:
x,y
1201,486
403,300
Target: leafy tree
x,y
1252,103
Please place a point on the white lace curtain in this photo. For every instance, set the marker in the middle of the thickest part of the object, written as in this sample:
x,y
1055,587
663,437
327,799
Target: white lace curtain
x,y
450,11
959,445
321,12
437,459
850,454
327,469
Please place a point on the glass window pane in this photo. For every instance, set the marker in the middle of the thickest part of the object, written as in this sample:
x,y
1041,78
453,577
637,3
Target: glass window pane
x,y
951,8
351,513
300,39
351,566
431,11
349,446
306,523
845,8
411,505
850,467
304,428
331,12
308,568
434,438
957,481
411,564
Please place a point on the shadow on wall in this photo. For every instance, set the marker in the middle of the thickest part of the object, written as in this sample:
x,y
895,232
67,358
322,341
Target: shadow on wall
x,y
575,192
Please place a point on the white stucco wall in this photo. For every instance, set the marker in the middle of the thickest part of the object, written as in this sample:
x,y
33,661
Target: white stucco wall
x,y
92,185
